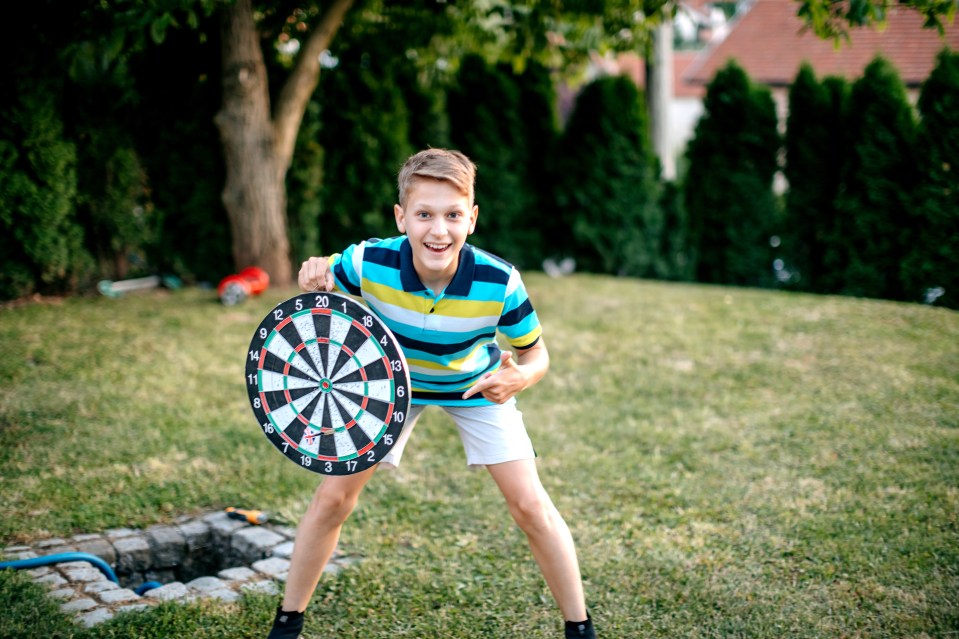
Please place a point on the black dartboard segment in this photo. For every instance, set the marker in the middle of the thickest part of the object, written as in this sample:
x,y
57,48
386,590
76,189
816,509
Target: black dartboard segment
x,y
328,383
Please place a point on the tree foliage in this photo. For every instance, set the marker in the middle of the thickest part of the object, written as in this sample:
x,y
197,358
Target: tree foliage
x,y
41,243
874,222
931,268
490,131
728,187
606,189
815,153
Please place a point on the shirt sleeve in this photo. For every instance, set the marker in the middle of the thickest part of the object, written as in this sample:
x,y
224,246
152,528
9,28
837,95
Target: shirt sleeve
x,y
347,269
519,322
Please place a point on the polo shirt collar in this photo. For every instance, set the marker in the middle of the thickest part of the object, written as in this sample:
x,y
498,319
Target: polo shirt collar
x,y
461,282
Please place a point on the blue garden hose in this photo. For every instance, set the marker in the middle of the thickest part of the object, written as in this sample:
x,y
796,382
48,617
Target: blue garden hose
x,y
64,557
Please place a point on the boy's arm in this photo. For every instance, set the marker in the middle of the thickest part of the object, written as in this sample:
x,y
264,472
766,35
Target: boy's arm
x,y
513,376
315,275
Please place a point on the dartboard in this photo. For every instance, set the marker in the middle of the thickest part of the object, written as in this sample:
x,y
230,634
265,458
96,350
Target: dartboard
x,y
328,383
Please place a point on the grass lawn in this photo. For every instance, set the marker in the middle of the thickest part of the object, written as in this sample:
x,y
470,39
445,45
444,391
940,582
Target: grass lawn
x,y
732,463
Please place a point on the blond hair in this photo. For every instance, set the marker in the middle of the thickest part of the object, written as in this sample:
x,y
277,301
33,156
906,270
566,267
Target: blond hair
x,y
437,164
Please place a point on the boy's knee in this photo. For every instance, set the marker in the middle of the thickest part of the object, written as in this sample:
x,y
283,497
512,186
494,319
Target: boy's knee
x,y
533,515
332,504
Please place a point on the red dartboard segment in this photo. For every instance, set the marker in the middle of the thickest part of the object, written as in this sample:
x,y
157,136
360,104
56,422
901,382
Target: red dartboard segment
x,y
328,383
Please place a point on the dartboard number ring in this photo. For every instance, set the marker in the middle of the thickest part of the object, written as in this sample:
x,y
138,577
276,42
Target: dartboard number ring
x,y
328,383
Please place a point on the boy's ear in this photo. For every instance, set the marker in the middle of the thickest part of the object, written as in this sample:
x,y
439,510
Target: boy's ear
x,y
400,218
473,215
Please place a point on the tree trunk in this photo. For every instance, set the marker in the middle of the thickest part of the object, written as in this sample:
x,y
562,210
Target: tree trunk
x,y
254,194
258,148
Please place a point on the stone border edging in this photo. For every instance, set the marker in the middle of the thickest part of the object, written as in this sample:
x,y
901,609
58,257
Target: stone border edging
x,y
257,559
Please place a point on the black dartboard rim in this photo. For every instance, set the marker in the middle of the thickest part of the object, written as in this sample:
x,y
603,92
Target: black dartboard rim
x,y
328,383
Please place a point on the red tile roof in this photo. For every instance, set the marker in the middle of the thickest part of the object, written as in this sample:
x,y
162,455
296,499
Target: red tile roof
x,y
770,43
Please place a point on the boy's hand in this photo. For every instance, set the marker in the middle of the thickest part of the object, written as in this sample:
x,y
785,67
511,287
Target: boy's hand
x,y
315,275
498,387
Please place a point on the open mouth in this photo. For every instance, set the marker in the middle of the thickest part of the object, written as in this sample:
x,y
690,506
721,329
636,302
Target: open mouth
x,y
436,248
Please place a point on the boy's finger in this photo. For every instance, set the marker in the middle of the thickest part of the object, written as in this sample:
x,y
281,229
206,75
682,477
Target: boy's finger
x,y
479,386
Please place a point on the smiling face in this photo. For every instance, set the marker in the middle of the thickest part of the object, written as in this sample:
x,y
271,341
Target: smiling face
x,y
437,218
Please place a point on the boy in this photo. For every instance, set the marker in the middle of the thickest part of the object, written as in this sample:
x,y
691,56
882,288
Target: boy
x,y
437,293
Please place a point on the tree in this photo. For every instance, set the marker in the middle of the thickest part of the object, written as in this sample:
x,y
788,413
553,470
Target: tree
x,y
606,190
931,268
728,187
875,225
258,141
831,19
491,133
815,153
40,240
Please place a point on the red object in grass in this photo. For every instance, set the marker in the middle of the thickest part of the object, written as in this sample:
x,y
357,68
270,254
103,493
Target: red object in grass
x,y
233,289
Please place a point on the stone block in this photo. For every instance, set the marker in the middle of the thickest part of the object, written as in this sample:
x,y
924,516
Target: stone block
x,y
169,592
286,531
39,572
63,593
131,608
95,617
119,533
120,595
284,550
98,547
253,543
53,580
224,594
223,526
78,605
50,543
196,533
86,537
168,546
133,554
274,567
266,586
83,575
240,573
100,586
56,550
206,584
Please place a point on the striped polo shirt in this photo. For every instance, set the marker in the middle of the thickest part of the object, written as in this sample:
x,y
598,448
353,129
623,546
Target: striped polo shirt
x,y
448,337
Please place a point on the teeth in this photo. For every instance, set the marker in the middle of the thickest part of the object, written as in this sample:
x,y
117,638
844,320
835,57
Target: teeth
x,y
437,247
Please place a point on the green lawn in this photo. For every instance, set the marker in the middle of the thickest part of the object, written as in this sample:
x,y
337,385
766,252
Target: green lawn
x,y
732,463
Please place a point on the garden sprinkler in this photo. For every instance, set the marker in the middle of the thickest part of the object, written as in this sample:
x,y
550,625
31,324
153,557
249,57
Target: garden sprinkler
x,y
255,517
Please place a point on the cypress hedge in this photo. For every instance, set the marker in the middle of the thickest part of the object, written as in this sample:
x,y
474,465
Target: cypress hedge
x,y
931,267
606,189
728,188
879,178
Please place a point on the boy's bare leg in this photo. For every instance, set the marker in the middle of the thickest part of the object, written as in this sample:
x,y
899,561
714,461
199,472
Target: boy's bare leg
x,y
318,533
548,535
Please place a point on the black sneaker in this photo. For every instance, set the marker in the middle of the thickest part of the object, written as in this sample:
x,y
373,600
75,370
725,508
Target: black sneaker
x,y
580,629
286,625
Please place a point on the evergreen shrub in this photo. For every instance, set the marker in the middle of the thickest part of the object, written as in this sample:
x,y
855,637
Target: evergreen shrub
x,y
815,154
727,190
878,182
607,195
41,243
931,267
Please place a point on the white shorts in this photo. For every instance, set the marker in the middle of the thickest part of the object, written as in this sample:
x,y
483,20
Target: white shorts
x,y
490,434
